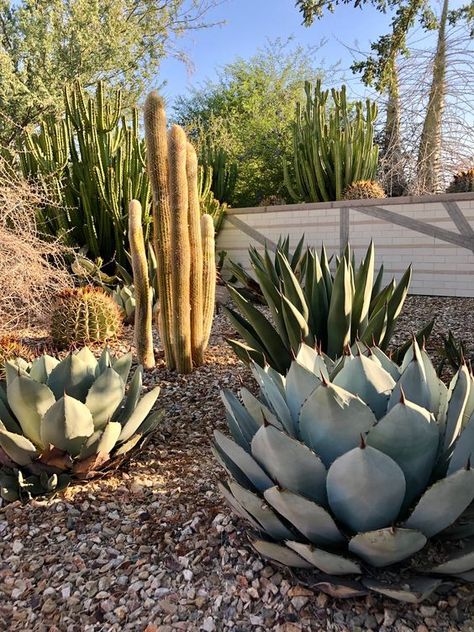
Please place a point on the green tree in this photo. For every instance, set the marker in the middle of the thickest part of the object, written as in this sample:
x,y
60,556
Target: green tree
x,y
248,112
45,44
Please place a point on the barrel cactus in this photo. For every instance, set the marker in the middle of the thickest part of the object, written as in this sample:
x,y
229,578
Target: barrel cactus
x,y
462,182
83,315
363,189
69,419
349,466
11,347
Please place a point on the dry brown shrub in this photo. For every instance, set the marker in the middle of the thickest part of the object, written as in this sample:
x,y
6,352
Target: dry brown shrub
x,y
32,266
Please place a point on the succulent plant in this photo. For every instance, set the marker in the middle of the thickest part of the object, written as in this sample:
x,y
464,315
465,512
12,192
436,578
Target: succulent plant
x,y
307,302
11,347
124,297
462,182
69,419
453,352
351,466
83,315
363,189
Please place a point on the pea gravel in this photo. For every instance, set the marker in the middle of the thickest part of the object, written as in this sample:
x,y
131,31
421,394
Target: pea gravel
x,y
153,548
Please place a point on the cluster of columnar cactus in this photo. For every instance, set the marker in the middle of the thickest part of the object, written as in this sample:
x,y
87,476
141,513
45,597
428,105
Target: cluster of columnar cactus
x,y
223,172
184,241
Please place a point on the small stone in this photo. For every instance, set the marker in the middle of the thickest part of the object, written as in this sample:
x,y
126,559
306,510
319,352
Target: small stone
x,y
187,574
167,606
428,611
390,616
299,602
17,547
208,625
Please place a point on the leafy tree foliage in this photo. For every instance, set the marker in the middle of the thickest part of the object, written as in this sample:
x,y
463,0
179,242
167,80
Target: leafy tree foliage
x,y
248,111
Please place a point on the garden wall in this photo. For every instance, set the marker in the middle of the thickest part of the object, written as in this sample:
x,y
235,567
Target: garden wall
x,y
434,233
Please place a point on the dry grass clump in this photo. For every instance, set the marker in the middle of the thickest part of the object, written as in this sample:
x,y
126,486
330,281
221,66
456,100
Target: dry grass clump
x,y
32,266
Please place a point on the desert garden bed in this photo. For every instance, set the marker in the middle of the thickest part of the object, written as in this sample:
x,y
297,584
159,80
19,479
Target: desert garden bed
x,y
153,546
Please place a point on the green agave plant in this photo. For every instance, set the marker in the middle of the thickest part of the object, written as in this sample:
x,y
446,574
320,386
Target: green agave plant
x,y
69,419
308,303
350,466
124,296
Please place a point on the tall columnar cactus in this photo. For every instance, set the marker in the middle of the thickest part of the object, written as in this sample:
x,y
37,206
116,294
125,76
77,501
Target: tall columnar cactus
x,y
184,242
143,291
209,204
333,145
93,159
224,173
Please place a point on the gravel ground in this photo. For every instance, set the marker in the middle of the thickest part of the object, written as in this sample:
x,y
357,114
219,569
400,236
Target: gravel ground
x,y
154,548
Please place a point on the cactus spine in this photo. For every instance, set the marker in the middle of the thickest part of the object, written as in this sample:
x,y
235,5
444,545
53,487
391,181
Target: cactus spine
x,y
157,164
183,242
143,292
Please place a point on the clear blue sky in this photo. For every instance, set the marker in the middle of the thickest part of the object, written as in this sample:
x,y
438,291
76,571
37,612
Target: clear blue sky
x,y
249,24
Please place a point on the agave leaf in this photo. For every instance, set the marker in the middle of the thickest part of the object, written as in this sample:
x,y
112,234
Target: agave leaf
x,y
299,384
86,355
29,400
131,425
241,424
386,363
71,376
151,422
274,398
332,420
313,521
443,503
258,509
102,441
413,384
457,397
105,396
41,368
14,370
246,353
361,376
257,410
312,360
132,398
340,310
326,562
245,330
20,450
408,435
387,546
244,461
279,553
461,561
296,326
104,362
7,419
377,326
365,489
293,290
464,448
67,425
363,292
123,365
340,588
290,463
236,506
414,590
395,306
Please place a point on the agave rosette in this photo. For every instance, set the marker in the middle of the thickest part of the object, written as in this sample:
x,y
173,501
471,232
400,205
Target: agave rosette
x,y
350,466
69,418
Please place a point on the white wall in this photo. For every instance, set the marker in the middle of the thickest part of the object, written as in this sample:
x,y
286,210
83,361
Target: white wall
x,y
439,268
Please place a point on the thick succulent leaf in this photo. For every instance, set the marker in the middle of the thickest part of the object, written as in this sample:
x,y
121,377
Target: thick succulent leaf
x,y
340,310
332,420
86,355
458,397
410,437
133,397
365,489
259,509
123,365
292,287
20,450
105,396
443,503
29,400
377,325
461,561
131,425
252,346
363,292
241,424
102,441
279,553
414,590
14,370
290,463
395,305
41,368
258,410
71,376
7,418
274,398
244,461
433,382
297,327
412,385
469,408
313,521
326,562
299,384
387,546
312,360
67,425
463,449
361,376
340,588
104,362
236,506
151,422
386,363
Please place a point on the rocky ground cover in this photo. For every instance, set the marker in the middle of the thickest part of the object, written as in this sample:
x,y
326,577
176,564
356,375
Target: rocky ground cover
x,y
153,547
